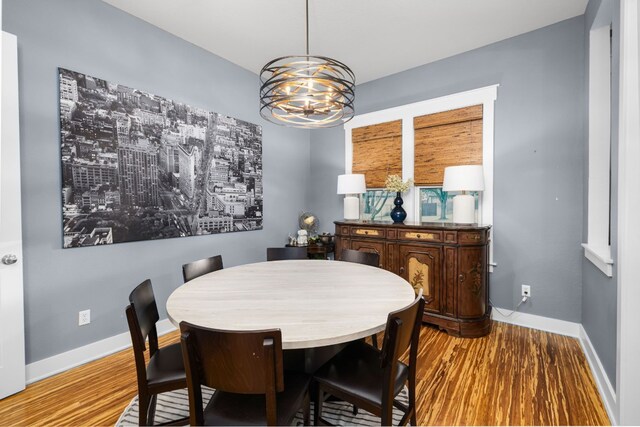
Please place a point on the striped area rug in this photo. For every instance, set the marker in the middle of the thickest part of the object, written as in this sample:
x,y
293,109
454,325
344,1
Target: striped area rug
x,y
175,405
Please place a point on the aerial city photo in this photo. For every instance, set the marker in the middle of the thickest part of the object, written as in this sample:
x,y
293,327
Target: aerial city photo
x,y
136,166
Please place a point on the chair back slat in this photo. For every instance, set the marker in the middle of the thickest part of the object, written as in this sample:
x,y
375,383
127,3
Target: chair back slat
x,y
143,304
400,331
360,257
203,266
243,362
281,254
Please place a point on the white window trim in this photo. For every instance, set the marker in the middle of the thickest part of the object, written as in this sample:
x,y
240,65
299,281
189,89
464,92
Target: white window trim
x,y
597,249
486,96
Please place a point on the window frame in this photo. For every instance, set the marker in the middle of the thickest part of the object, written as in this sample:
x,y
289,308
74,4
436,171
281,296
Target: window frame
x,y
486,96
597,249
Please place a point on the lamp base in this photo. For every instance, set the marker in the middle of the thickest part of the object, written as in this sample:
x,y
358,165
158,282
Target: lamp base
x,y
351,207
464,209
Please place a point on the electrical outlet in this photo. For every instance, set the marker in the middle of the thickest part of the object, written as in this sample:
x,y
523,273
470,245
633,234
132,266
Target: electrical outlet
x,y
526,291
84,317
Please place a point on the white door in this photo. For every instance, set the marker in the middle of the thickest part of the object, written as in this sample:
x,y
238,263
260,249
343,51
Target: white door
x,y
12,361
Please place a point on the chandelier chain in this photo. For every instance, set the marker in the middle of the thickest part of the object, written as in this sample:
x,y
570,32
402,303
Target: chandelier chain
x,y
307,9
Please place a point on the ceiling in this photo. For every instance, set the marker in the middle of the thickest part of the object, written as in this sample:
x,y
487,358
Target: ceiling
x,y
375,38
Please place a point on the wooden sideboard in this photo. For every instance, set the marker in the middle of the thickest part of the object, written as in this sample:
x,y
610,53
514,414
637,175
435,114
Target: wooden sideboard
x,y
448,261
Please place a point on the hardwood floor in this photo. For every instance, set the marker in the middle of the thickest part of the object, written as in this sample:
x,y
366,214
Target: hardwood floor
x,y
514,376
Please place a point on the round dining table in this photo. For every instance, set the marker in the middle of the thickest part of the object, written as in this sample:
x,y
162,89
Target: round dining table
x,y
317,304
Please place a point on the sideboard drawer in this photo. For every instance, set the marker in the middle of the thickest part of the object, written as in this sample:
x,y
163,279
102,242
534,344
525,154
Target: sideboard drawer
x,y
467,237
422,236
367,232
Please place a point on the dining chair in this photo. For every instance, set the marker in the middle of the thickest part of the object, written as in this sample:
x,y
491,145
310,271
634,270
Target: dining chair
x,y
203,266
246,370
280,254
360,257
165,370
366,258
370,378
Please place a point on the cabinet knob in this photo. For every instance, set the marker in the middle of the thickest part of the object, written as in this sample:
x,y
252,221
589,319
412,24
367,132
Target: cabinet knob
x,y
418,236
461,277
401,270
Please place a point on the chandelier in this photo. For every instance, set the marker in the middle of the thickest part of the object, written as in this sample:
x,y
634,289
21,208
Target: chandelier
x,y
307,91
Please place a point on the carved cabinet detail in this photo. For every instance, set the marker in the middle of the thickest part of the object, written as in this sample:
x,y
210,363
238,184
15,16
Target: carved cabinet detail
x,y
420,266
448,262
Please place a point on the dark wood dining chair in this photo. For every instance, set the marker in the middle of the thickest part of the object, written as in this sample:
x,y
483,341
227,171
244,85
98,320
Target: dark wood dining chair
x,y
280,254
165,370
366,258
203,266
370,378
246,370
360,257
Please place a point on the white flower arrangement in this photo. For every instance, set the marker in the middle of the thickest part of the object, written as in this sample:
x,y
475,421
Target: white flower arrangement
x,y
395,183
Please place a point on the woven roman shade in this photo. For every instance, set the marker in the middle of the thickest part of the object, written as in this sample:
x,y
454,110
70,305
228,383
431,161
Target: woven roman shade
x,y
377,152
444,139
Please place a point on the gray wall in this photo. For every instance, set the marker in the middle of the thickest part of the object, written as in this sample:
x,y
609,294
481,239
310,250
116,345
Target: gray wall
x,y
539,139
599,292
92,37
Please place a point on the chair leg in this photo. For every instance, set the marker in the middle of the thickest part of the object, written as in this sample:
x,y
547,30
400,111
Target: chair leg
x,y
143,408
306,409
355,410
317,406
152,409
386,419
374,340
412,403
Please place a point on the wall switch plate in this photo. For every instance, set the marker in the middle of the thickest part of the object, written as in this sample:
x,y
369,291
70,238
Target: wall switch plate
x,y
84,317
526,291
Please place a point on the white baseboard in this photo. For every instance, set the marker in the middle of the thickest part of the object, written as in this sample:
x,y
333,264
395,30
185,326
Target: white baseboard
x,y
607,392
44,368
556,326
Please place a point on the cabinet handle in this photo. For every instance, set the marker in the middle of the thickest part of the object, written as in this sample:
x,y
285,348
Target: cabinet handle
x,y
461,277
401,270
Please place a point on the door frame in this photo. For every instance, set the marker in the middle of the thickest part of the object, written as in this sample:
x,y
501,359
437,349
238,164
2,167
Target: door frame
x,y
628,339
12,347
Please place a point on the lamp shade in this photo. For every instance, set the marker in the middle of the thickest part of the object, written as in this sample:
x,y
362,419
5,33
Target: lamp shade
x,y
463,178
351,184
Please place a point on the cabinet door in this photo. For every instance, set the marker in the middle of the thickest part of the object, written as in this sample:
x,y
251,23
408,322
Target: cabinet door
x,y
374,246
472,283
420,266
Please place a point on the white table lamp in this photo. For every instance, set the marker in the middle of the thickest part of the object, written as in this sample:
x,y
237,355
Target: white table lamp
x,y
351,185
463,178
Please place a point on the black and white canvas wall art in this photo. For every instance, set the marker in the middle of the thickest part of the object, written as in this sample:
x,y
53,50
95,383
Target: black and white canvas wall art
x,y
137,166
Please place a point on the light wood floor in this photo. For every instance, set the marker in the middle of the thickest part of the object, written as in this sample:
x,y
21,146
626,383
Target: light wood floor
x,y
514,376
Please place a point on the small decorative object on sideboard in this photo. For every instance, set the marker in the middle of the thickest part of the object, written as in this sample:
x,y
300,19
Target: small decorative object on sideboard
x,y
395,183
326,238
302,238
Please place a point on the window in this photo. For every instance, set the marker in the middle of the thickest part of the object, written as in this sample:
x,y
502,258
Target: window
x,y
598,246
381,125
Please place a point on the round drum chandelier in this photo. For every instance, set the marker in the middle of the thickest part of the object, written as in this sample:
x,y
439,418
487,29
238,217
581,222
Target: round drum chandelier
x,y
307,91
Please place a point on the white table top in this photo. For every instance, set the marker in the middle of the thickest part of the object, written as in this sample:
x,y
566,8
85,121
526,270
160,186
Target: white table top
x,y
314,303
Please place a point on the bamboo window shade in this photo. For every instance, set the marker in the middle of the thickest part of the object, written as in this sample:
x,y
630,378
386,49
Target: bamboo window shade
x,y
377,152
449,138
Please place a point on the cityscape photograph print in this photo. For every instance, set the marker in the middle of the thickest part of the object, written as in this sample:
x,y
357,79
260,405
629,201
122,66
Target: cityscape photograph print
x,y
136,166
